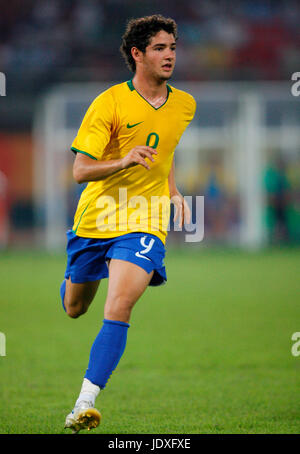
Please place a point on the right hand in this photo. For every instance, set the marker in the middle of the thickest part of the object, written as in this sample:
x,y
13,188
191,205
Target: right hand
x,y
138,156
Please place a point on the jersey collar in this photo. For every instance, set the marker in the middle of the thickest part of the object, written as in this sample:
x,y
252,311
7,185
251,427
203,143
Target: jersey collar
x,y
131,88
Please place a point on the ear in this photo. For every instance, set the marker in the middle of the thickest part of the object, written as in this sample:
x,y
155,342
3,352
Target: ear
x,y
137,55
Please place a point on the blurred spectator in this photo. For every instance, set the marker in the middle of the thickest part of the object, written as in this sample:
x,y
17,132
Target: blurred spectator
x,y
219,190
278,202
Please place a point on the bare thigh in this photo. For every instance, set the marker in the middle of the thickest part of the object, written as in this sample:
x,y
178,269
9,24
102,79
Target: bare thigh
x,y
78,297
127,282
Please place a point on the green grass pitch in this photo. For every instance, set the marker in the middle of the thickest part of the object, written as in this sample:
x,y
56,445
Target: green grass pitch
x,y
210,352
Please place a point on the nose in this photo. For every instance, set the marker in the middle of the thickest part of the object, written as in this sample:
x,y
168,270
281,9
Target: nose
x,y
170,54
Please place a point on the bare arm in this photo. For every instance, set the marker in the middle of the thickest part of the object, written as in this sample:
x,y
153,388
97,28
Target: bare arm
x,y
86,169
182,210
172,184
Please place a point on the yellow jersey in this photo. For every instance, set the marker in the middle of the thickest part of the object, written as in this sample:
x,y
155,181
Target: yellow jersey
x,y
133,199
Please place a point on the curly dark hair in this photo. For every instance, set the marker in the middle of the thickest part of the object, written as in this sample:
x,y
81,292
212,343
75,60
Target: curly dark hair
x,y
139,32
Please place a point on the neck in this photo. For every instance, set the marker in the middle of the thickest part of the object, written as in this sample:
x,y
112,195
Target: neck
x,y
150,88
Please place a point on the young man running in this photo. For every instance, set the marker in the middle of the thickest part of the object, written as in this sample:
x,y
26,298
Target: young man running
x,y
124,150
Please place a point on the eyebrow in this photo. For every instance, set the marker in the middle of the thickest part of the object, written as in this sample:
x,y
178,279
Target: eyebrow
x,y
164,45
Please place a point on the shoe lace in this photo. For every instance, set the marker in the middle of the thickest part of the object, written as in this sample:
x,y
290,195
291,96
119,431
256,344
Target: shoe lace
x,y
85,404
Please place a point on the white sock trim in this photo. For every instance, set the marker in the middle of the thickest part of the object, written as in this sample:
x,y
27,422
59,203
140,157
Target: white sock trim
x,y
89,391
89,387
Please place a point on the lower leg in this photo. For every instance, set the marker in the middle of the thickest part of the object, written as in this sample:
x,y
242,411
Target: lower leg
x,y
105,355
110,343
106,352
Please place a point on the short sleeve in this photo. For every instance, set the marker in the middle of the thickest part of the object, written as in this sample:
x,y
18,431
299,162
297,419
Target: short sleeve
x,y
193,108
96,128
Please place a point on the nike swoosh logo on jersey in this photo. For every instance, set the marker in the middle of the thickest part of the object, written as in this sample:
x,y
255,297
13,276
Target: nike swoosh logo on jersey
x,y
132,126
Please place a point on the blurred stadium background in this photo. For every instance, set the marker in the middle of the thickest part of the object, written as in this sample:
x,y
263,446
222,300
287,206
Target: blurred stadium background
x,y
242,151
232,370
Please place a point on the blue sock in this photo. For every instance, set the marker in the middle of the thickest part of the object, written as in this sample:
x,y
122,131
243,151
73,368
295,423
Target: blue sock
x,y
106,351
62,293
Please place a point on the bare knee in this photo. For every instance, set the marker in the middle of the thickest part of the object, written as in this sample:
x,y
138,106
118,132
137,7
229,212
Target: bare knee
x,y
118,308
75,308
78,297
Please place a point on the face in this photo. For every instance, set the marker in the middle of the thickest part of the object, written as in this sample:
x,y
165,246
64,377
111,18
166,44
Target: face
x,y
159,58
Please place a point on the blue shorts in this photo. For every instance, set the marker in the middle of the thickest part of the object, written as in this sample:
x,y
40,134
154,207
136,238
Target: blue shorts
x,y
87,257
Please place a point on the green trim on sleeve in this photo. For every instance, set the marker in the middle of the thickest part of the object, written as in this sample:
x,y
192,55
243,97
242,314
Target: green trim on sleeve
x,y
75,150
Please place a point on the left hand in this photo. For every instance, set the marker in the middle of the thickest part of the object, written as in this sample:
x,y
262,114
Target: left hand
x,y
182,210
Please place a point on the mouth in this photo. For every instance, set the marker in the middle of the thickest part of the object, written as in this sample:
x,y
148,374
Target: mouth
x,y
167,67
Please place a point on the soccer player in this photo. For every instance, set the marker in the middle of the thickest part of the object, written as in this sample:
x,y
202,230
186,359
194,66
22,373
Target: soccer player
x,y
124,150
